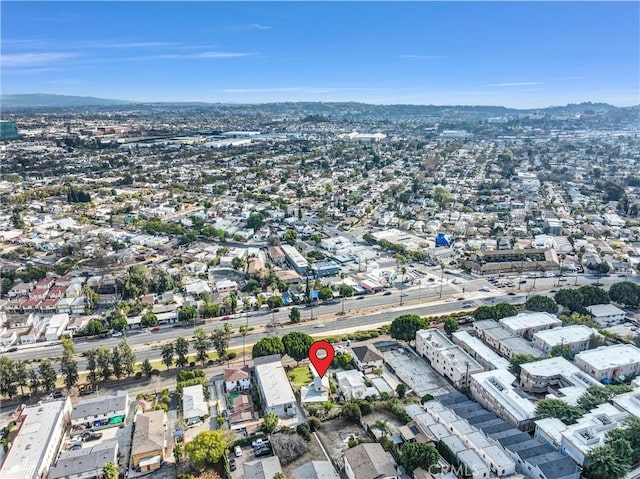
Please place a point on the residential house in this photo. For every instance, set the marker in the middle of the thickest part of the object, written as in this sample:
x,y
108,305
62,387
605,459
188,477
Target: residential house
x,y
237,379
37,329
265,468
275,389
366,359
194,405
315,470
110,410
368,461
85,463
149,446
56,326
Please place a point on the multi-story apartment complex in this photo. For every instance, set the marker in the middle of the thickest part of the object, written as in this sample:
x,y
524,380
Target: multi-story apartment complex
x,y
609,362
578,337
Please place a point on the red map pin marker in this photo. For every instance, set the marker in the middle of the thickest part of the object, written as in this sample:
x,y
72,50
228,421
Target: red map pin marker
x,y
321,355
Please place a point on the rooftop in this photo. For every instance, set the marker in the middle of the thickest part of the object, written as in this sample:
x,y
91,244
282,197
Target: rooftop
x,y
607,357
85,460
566,335
274,384
528,320
88,408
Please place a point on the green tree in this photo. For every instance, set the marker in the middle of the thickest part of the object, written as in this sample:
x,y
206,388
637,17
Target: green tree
x,y
8,386
21,376
34,383
201,345
450,325
255,221
593,295
181,348
351,411
559,409
138,282
207,448
149,320
346,290
270,423
119,323
69,370
290,237
94,327
110,471
275,302
162,281
401,389
92,365
518,360
220,341
484,312
325,293
441,196
116,363
187,313
541,303
128,357
48,375
103,361
178,452
406,326
382,425
167,354
504,310
294,315
416,455
626,293
571,299
146,367
237,263
297,344
602,463
562,350
267,346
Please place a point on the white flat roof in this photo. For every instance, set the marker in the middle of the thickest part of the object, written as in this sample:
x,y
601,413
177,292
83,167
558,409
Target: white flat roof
x,y
497,383
26,454
482,349
605,310
276,388
607,357
551,367
569,334
529,320
630,402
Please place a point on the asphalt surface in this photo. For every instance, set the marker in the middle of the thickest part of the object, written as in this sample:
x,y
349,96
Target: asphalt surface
x,y
360,313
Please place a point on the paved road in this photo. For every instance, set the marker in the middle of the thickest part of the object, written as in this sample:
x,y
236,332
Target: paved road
x,y
422,299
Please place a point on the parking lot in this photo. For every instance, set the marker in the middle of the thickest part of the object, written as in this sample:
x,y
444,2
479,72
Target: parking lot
x,y
416,372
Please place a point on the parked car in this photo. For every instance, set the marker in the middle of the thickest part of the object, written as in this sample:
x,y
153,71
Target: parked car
x,y
467,305
225,318
237,451
263,451
387,293
91,436
232,463
157,328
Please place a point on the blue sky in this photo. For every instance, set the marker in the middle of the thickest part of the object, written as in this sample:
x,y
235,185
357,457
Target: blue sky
x,y
499,53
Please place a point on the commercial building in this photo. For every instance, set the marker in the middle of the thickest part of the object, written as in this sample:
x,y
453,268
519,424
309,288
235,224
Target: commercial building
x,y
606,363
513,261
295,259
445,357
367,461
606,314
194,406
40,431
85,463
527,324
110,410
494,390
325,268
275,389
558,377
577,337
483,354
149,446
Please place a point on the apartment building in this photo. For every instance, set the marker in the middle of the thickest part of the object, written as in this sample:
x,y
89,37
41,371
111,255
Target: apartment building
x,y
526,324
274,387
494,390
578,337
445,357
608,362
479,351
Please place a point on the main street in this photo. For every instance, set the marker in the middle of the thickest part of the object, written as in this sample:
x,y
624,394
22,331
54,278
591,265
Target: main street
x,y
362,312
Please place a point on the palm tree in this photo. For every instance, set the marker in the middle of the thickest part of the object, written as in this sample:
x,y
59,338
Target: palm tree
x,y
244,330
403,270
441,276
383,426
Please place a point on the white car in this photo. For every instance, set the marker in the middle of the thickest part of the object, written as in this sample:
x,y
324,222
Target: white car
x,y
237,451
450,300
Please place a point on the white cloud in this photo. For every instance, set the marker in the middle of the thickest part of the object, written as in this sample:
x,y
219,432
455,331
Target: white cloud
x,y
212,55
139,45
251,26
34,59
506,85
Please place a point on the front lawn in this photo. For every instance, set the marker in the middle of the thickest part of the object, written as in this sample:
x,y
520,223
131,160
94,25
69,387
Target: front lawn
x,y
300,376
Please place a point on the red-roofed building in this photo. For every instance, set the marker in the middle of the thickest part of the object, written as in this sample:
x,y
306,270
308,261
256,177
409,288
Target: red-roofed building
x,y
237,379
57,292
38,293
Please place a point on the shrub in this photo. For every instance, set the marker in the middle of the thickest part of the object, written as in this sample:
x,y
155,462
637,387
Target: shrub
x,y
288,447
138,375
232,355
365,407
192,364
211,362
304,431
155,372
314,423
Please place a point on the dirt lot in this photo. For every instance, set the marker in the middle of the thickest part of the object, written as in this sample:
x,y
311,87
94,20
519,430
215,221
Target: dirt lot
x,y
335,434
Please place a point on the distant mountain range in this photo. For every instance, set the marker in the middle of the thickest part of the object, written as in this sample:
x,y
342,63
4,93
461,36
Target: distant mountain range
x,y
44,100
47,100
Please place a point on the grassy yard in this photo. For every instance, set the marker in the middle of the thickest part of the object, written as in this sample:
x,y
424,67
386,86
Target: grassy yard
x,y
300,376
